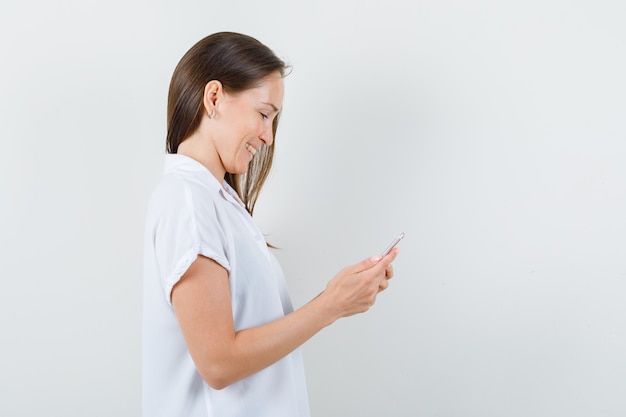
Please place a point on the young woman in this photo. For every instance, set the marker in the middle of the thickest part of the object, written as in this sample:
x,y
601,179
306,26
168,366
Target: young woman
x,y
221,337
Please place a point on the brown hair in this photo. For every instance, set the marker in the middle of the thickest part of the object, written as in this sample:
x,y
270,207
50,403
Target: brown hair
x,y
239,62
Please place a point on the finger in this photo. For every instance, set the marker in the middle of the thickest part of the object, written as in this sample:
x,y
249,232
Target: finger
x,y
385,262
392,254
389,272
383,286
364,265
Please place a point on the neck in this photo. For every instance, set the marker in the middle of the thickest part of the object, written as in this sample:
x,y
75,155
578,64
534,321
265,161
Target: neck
x,y
203,152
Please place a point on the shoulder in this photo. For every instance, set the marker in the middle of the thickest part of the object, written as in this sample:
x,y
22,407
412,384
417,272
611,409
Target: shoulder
x,y
179,195
172,191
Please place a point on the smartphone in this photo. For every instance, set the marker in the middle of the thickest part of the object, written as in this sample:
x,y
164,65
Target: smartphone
x,y
392,245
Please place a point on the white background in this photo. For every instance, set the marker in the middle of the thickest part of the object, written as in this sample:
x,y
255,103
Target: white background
x,y
492,132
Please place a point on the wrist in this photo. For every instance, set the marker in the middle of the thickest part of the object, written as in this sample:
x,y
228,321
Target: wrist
x,y
324,309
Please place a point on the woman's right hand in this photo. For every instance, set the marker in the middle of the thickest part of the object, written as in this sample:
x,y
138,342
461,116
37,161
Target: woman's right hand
x,y
354,289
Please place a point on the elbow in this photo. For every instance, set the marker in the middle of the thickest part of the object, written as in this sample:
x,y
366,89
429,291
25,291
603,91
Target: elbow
x,y
216,384
218,377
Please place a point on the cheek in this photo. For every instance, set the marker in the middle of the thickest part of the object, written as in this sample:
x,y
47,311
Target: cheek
x,y
254,125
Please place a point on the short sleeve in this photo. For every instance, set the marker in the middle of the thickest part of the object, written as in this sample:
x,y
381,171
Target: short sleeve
x,y
178,236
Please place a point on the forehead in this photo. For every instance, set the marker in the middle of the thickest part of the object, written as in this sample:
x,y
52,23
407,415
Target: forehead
x,y
269,90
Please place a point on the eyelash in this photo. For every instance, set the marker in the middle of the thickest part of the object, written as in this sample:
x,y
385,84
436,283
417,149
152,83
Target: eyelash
x,y
263,115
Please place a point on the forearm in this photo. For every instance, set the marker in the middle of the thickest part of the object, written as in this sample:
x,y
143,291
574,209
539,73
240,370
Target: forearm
x,y
256,348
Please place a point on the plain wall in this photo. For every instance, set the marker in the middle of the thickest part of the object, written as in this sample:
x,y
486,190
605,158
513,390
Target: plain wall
x,y
492,133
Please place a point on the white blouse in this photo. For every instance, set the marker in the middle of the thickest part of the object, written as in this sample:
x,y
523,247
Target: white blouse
x,y
191,213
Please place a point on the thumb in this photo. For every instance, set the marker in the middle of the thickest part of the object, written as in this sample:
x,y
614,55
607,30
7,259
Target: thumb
x,y
366,264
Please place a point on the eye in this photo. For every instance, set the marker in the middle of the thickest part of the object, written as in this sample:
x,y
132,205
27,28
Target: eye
x,y
263,115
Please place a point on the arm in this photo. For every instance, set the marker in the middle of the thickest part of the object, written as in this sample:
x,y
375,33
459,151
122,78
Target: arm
x,y
201,300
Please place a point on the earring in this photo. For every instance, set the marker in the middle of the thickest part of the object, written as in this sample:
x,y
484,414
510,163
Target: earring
x,y
212,115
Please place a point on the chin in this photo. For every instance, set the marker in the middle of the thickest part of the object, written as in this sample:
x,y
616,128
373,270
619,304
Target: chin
x,y
239,170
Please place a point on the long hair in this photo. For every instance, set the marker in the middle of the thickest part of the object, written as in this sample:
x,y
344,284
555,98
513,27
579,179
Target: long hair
x,y
239,62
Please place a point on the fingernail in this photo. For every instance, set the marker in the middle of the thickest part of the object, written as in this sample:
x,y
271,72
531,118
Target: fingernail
x,y
376,258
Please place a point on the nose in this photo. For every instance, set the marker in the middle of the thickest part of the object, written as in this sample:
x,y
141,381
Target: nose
x,y
267,135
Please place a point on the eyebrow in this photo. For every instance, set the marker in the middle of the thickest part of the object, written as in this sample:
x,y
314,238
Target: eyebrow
x,y
273,107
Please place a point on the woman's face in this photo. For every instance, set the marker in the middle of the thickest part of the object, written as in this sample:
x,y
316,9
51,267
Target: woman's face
x,y
244,122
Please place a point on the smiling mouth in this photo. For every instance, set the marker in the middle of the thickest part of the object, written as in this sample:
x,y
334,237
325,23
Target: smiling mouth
x,y
251,149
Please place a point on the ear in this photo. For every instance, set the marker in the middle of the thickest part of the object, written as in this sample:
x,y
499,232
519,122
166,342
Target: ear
x,y
212,91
